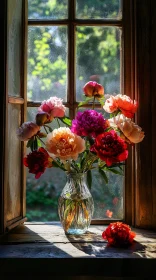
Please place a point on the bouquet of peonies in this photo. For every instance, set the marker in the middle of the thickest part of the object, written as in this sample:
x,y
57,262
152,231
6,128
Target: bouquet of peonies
x,y
87,142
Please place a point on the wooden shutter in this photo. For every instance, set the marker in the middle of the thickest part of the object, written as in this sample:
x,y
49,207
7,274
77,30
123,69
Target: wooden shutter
x,y
14,103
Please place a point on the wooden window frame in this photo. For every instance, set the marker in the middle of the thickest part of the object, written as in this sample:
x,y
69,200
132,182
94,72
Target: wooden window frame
x,y
139,25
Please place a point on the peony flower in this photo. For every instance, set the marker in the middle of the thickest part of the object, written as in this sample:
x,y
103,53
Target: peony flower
x,y
89,123
110,148
110,105
43,118
53,106
93,89
27,130
132,132
37,161
118,234
123,103
64,144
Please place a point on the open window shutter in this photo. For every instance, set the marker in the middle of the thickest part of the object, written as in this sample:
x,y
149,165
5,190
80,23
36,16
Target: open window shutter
x,y
13,187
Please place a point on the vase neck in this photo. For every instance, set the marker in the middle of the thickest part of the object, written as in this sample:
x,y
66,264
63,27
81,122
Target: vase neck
x,y
77,181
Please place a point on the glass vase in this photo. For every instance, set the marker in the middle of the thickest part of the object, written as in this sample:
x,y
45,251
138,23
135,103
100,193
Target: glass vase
x,y
75,204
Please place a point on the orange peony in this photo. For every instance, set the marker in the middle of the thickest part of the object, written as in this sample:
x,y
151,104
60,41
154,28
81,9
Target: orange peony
x,y
118,234
64,144
122,103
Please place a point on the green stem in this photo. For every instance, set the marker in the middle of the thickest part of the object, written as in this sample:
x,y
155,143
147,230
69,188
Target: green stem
x,y
58,122
45,129
41,140
93,103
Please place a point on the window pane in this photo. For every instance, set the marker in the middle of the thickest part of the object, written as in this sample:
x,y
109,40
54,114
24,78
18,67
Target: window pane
x,y
47,9
47,62
14,46
98,58
98,9
108,198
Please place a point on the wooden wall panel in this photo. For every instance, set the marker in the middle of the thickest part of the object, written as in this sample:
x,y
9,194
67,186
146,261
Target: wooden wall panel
x,y
144,205
153,107
13,187
13,192
3,32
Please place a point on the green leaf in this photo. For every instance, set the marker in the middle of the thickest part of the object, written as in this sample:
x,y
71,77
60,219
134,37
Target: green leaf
x,y
103,174
50,129
30,142
55,164
66,120
39,143
85,101
35,144
89,178
115,171
101,101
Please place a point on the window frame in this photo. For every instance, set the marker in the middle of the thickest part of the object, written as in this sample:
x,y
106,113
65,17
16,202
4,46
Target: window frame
x,y
139,83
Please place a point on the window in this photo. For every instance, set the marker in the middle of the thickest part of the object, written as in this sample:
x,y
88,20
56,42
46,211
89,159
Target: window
x,y
137,80
70,43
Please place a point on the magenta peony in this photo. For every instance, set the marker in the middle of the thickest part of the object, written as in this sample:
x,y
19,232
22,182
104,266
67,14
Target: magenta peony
x,y
89,123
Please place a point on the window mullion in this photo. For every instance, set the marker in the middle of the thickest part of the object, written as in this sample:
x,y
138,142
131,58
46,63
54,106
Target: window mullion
x,y
71,95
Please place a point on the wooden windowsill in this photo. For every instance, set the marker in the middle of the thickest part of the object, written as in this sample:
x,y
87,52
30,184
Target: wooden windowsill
x,y
45,244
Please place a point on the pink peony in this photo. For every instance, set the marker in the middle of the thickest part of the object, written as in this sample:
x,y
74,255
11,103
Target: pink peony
x,y
27,130
53,106
64,144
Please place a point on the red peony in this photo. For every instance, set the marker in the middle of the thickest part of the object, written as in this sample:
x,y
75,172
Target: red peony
x,y
118,235
110,147
37,161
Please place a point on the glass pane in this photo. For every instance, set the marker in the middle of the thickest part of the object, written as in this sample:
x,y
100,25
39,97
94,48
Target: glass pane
x,y
47,62
14,46
98,58
47,9
98,9
108,198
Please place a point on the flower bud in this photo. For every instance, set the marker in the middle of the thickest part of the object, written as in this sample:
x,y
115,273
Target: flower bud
x,y
92,89
42,118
